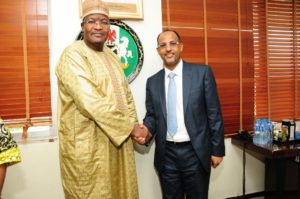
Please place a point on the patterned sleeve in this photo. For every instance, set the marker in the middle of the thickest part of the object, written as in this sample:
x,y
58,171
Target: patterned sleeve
x,y
9,151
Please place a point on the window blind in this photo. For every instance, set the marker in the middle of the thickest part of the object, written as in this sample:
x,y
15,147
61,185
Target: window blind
x,y
276,49
24,63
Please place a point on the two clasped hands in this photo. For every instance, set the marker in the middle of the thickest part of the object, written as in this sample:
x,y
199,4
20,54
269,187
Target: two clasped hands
x,y
140,134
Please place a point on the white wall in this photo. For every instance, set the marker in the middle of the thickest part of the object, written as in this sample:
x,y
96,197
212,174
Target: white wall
x,y
38,176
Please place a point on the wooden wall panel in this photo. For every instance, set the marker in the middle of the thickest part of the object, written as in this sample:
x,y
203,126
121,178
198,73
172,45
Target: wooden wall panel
x,y
177,13
165,12
247,52
223,51
179,16
11,59
248,82
222,14
38,56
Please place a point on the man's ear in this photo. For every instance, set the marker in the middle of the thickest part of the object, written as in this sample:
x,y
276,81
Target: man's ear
x,y
82,26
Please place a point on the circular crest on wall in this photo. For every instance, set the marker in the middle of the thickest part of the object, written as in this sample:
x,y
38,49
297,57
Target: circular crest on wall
x,y
123,41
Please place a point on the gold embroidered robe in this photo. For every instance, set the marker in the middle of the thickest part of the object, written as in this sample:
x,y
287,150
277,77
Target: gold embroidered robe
x,y
96,114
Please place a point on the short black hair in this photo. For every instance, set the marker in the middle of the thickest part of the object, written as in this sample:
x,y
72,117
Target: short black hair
x,y
169,30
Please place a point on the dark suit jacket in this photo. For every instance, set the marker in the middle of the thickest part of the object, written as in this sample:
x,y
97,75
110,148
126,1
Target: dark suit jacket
x,y
202,113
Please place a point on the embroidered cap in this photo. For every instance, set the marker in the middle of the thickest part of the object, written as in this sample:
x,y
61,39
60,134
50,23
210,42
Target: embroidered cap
x,y
94,7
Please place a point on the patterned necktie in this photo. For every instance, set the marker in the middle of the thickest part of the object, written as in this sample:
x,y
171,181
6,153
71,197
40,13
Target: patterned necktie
x,y
172,98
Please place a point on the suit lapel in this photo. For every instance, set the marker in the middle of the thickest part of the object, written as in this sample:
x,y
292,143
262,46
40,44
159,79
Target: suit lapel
x,y
162,93
186,84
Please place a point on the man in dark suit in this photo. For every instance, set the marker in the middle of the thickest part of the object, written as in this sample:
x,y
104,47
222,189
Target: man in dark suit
x,y
189,132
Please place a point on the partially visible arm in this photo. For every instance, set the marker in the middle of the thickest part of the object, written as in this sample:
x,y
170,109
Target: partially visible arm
x,y
149,120
215,120
2,175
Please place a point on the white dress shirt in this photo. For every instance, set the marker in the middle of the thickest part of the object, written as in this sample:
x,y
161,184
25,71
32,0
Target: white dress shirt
x,y
181,134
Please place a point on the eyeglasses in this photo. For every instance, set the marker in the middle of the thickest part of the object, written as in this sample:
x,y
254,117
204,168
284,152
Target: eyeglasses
x,y
92,22
171,44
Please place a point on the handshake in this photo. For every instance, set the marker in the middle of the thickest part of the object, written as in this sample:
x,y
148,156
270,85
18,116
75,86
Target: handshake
x,y
140,134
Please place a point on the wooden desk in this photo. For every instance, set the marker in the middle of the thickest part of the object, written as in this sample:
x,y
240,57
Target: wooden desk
x,y
282,172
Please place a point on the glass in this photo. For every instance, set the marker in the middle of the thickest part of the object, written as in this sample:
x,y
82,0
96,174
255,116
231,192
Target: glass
x,y
93,22
171,44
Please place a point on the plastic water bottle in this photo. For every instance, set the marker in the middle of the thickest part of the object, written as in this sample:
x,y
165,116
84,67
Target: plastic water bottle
x,y
256,135
264,131
270,131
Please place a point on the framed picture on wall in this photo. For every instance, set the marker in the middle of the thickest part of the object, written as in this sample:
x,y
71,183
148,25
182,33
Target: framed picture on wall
x,y
123,9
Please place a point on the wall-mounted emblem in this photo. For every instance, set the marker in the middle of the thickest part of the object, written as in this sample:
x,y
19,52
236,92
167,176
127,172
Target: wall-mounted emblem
x,y
126,44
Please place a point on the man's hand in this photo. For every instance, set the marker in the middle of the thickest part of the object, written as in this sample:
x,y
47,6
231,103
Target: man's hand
x,y
215,161
149,135
140,134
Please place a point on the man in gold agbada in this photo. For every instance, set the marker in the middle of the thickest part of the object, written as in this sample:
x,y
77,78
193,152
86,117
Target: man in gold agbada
x,y
97,115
